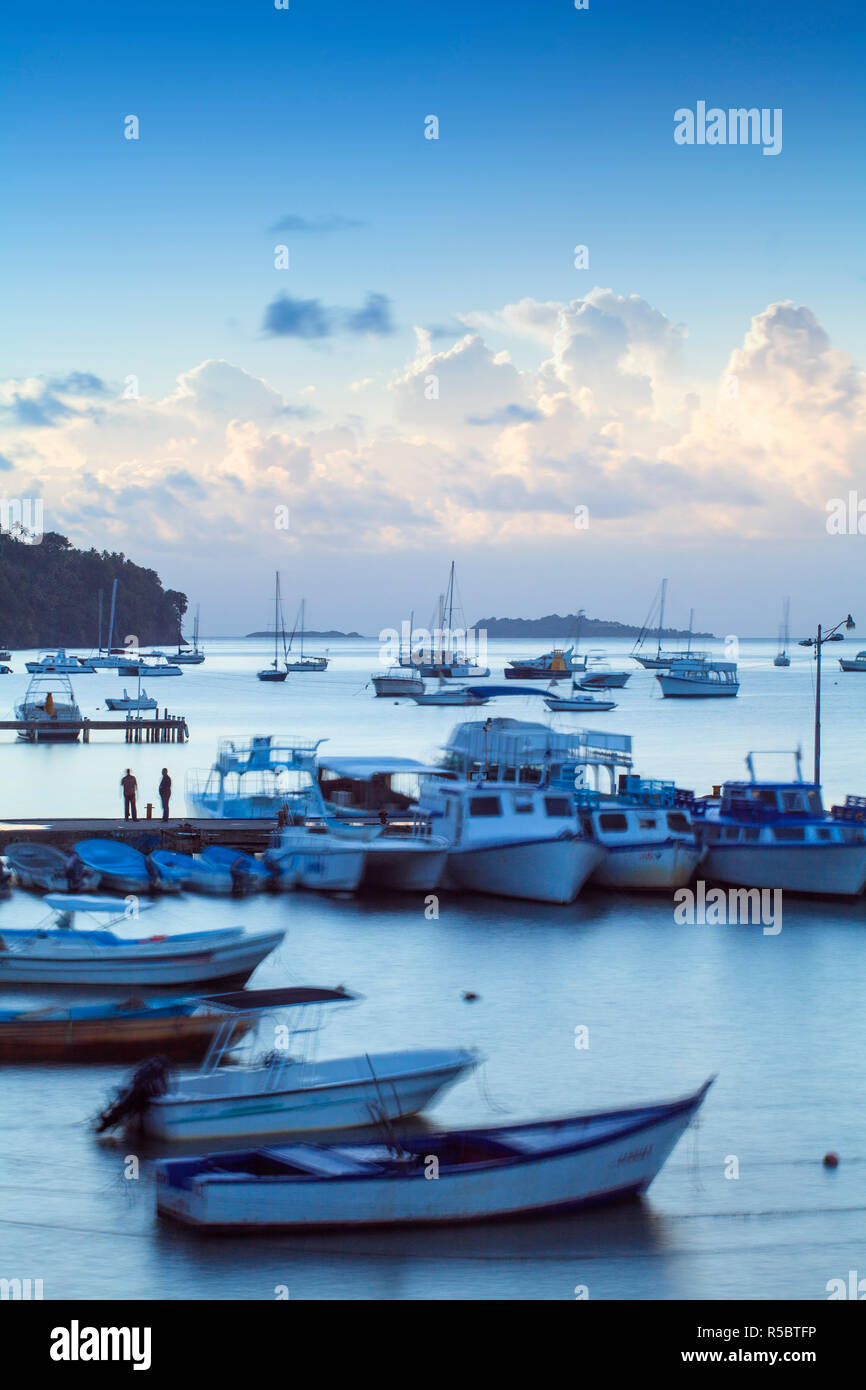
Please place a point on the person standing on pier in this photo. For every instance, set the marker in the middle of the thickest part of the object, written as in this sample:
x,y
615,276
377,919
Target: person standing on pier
x,y
165,792
130,788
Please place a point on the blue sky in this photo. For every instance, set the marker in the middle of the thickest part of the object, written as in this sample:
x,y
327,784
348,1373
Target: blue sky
x,y
556,128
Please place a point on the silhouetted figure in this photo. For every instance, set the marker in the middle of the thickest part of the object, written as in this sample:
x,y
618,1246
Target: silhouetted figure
x,y
130,789
165,792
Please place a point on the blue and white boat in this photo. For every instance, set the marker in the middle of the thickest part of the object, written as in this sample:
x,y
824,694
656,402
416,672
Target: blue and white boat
x,y
125,869
776,834
58,952
699,680
530,1169
58,663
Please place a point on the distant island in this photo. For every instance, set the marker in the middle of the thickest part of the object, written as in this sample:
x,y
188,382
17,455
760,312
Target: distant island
x,y
567,627
308,632
49,596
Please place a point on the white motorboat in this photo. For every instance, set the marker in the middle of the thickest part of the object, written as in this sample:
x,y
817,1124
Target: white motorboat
x,y
776,834
699,679
59,953
482,1174
149,667
58,663
853,663
578,702
397,681
288,1094
131,702
506,836
452,695
600,675
49,710
313,857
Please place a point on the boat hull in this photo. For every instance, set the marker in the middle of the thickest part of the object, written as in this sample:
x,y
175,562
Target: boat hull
x,y
395,687
157,965
649,866
409,867
331,870
312,1104
586,1174
183,1039
834,870
547,871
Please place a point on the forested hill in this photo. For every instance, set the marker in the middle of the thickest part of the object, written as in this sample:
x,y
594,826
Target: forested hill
x,y
49,596
555,626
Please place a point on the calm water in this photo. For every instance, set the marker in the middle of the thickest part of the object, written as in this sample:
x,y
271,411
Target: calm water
x,y
779,1018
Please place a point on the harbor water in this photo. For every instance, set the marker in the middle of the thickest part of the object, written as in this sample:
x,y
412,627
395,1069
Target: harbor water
x,y
602,1003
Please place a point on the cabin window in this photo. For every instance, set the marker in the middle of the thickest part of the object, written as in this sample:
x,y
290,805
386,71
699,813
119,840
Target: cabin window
x,y
509,774
732,832
768,799
646,822
557,805
751,832
485,806
522,807
792,801
815,806
611,820
677,821
711,833
789,832
530,774
823,832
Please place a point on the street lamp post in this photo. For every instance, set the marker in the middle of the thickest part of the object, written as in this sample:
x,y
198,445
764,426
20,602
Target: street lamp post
x,y
818,642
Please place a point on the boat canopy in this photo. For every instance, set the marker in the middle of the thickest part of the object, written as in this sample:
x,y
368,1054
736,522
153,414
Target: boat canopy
x,y
88,902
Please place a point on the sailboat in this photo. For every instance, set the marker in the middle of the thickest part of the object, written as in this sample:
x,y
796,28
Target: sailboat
x,y
304,663
194,657
445,661
107,659
273,672
663,660
782,658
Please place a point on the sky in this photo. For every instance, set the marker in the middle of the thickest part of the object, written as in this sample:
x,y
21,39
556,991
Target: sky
x,y
431,376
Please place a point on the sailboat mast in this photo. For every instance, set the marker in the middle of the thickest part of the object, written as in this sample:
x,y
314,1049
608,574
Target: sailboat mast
x,y
99,607
303,612
276,612
662,616
691,625
111,617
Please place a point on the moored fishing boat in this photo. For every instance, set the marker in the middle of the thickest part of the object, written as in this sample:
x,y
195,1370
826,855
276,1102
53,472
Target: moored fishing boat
x,y
853,663
398,681
131,702
556,665
452,695
49,869
699,679
481,1174
125,869
58,663
124,1031
777,835
58,952
578,702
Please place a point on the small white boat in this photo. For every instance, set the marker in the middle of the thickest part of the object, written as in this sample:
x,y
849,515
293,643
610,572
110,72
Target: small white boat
x,y
575,702
50,711
529,1169
452,695
600,675
141,666
312,856
59,953
58,663
131,702
49,869
782,658
853,663
699,679
398,681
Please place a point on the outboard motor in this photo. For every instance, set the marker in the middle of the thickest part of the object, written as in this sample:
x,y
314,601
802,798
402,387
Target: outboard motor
x,y
130,1101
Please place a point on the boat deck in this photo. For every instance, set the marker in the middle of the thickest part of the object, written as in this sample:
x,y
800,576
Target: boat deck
x,y
178,833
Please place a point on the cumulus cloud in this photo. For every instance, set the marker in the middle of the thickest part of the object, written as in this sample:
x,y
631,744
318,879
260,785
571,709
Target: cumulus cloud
x,y
477,449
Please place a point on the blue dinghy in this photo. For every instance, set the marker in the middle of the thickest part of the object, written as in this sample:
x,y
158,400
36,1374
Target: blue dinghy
x,y
124,869
248,874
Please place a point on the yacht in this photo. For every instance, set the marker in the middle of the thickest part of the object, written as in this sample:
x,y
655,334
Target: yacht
x,y
275,672
663,660
555,665
186,655
693,679
58,663
443,658
853,663
776,834
151,667
509,832
50,709
782,658
600,675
